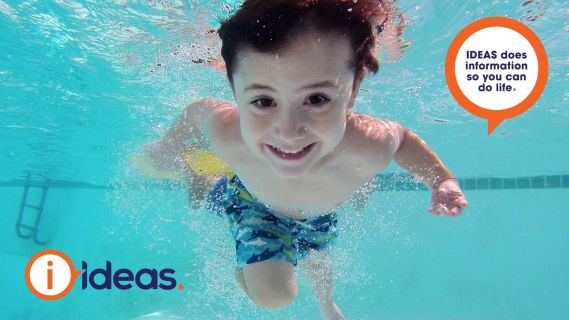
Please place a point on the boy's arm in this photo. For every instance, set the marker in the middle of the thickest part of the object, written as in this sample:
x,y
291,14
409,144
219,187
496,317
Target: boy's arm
x,y
415,156
191,125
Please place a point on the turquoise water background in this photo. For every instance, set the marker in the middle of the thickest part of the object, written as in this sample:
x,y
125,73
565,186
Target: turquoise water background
x,y
85,84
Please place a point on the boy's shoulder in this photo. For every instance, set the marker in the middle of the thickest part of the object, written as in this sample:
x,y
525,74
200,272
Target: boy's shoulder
x,y
374,132
221,124
370,144
212,113
214,106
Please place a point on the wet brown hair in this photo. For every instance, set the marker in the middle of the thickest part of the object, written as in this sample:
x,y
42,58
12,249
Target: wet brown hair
x,y
268,25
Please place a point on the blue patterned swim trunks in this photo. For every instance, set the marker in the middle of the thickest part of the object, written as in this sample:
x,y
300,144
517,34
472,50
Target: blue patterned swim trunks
x,y
262,234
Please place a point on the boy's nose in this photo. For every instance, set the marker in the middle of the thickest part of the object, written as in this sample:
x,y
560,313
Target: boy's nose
x,y
290,126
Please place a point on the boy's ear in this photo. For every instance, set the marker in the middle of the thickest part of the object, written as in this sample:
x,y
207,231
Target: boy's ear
x,y
358,79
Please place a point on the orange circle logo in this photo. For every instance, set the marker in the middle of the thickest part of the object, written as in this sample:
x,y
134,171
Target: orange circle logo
x,y
50,274
496,68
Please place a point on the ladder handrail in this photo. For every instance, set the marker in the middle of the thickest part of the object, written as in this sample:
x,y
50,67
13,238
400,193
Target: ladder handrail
x,y
38,209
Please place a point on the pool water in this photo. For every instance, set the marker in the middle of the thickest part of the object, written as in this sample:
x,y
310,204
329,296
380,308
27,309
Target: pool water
x,y
85,84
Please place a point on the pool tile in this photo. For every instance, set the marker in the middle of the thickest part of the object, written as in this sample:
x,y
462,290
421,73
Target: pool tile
x,y
553,181
565,181
496,183
469,184
509,183
523,183
537,182
482,183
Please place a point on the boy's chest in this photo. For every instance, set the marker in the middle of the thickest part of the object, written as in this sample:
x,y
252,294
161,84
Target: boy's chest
x,y
311,195
303,199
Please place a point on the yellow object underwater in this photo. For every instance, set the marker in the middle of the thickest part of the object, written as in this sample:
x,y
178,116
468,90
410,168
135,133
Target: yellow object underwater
x,y
202,161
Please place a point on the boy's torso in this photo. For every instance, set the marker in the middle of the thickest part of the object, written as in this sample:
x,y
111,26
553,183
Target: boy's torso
x,y
366,149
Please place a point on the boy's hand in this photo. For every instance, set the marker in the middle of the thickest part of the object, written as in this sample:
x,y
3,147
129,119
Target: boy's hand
x,y
198,187
447,198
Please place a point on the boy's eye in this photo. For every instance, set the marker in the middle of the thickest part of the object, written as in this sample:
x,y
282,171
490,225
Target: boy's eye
x,y
262,103
313,100
317,100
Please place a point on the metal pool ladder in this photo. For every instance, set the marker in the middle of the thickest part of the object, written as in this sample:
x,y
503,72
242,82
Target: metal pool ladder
x,y
26,231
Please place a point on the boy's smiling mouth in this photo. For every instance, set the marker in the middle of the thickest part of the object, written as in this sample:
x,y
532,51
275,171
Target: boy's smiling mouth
x,y
291,154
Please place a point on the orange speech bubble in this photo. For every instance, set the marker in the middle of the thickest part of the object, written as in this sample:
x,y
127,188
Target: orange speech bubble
x,y
495,117
49,274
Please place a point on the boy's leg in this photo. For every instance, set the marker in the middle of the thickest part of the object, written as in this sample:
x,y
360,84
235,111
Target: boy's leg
x,y
241,281
319,268
270,284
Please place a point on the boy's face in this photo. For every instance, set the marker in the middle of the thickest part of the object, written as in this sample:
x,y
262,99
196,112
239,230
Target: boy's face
x,y
293,103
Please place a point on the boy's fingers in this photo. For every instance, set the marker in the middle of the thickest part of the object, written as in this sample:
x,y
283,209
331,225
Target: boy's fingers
x,y
459,203
435,209
441,208
453,194
452,208
455,211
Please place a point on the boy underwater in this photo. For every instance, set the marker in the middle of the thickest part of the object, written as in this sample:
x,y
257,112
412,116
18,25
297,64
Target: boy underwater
x,y
294,148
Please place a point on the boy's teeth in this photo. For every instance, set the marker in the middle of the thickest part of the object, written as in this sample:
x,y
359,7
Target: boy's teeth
x,y
288,151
